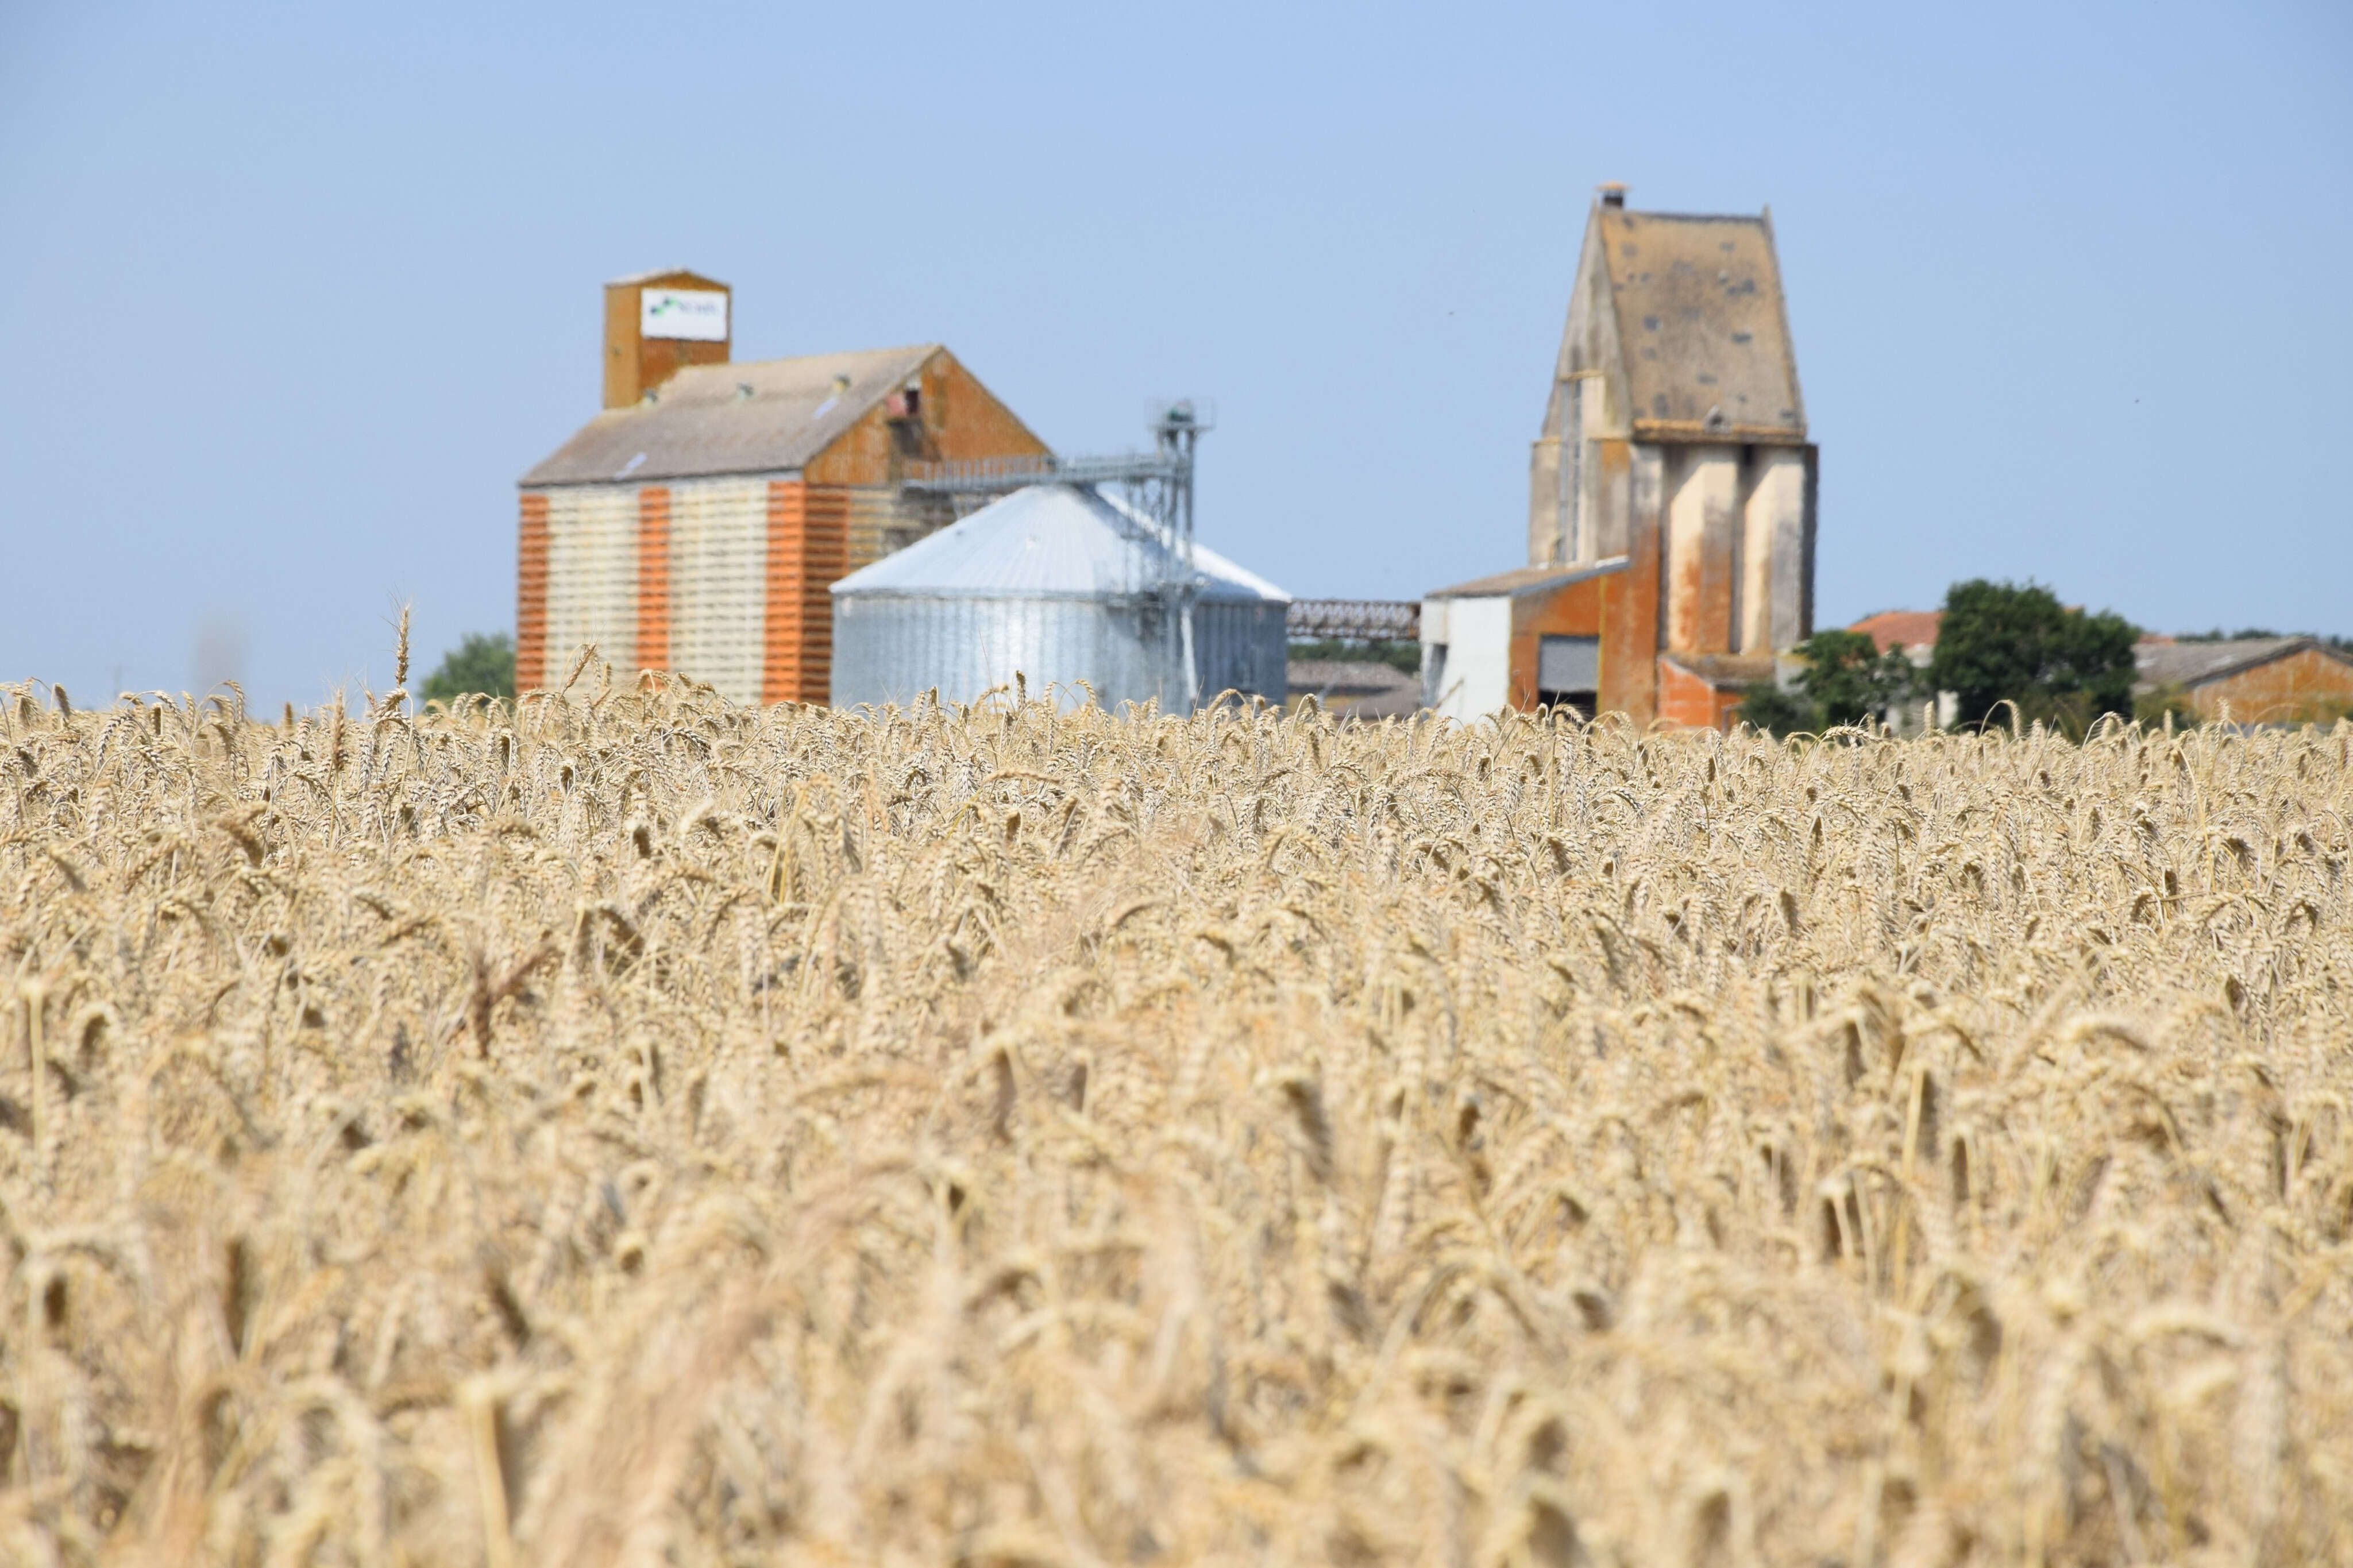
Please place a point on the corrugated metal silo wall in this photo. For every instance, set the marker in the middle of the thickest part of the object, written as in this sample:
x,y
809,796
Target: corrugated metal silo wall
x,y
1241,647
893,648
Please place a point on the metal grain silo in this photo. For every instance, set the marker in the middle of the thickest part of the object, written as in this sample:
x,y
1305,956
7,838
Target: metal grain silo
x,y
1058,584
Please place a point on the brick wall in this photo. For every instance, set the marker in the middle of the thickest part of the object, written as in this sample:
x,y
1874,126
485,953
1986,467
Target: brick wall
x,y
653,578
531,596
809,546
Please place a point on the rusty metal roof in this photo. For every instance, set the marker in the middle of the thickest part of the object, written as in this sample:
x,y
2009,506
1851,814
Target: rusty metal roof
x,y
1701,321
1523,580
2195,663
750,417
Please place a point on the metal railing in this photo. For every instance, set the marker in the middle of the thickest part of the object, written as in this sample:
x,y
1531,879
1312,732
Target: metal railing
x,y
974,476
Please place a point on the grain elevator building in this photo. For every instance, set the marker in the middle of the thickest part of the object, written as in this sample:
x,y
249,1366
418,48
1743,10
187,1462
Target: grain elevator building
x,y
1671,504
697,523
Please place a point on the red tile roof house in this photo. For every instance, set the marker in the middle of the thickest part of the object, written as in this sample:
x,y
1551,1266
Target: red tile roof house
x,y
2247,680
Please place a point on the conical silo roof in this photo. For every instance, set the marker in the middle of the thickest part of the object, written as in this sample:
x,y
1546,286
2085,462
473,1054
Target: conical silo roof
x,y
1050,542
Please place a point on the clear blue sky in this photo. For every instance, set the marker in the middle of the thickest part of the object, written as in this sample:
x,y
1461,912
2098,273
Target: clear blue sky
x,y
292,294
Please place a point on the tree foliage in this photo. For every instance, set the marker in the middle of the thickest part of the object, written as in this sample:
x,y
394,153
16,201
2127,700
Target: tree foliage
x,y
2003,643
483,663
1847,680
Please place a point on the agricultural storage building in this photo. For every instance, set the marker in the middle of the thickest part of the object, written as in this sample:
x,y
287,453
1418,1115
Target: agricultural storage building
x,y
2250,680
1056,583
697,522
1671,506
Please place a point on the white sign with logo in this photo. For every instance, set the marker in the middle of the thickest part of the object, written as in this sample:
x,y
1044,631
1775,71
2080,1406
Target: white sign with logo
x,y
700,314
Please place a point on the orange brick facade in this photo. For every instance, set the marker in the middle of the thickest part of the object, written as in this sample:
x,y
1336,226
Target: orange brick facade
x,y
530,595
809,551
1692,701
653,579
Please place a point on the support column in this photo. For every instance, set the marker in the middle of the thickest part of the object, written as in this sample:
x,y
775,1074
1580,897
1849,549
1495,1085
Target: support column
x,y
1699,564
1774,551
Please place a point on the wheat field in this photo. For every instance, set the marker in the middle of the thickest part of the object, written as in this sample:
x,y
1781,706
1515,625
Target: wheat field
x,y
636,1129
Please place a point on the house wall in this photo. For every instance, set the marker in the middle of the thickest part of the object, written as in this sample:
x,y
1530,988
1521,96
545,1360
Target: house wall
x,y
1475,677
1577,610
2306,685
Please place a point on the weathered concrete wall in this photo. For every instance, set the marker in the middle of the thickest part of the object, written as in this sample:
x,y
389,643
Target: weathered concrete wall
x,y
1614,498
1773,549
1564,480
1547,526
1705,497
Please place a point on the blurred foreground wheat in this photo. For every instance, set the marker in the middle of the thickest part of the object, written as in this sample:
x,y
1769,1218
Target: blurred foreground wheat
x,y
643,1130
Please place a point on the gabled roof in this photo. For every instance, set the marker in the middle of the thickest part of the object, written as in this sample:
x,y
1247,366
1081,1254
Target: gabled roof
x,y
1702,322
1524,580
750,417
1049,542
2195,663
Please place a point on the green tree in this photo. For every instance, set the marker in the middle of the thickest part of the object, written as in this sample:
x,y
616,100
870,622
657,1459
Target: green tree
x,y
1849,680
480,663
1999,642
